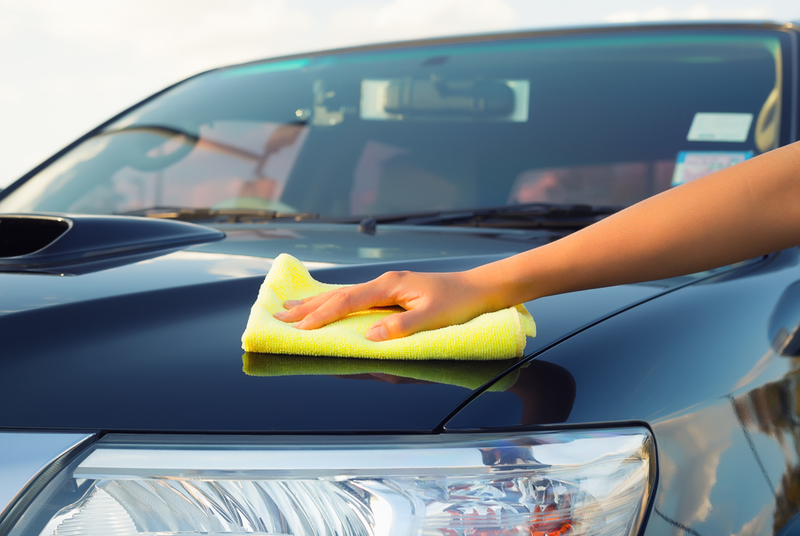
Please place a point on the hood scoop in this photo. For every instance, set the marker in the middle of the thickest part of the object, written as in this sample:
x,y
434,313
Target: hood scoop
x,y
78,244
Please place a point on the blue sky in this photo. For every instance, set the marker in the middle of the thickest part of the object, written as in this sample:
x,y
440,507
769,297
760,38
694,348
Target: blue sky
x,y
69,65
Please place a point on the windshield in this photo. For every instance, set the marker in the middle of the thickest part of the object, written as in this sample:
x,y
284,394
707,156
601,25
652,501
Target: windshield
x,y
604,118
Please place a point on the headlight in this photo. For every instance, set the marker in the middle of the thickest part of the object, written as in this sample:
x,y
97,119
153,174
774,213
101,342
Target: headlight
x,y
532,484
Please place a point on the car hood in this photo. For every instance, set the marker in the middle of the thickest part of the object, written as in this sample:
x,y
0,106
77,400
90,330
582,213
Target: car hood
x,y
154,344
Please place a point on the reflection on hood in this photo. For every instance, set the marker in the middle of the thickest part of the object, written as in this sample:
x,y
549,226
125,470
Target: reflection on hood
x,y
467,374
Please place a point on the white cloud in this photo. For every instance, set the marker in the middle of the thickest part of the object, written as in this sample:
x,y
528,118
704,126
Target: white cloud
x,y
9,24
409,19
758,524
10,95
197,35
695,12
691,457
185,36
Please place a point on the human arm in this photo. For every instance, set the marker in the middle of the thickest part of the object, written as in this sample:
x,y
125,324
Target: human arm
x,y
738,213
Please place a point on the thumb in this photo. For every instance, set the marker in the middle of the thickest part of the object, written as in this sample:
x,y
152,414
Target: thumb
x,y
396,326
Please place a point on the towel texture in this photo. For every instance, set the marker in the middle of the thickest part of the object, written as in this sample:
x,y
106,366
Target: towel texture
x,y
470,375
498,335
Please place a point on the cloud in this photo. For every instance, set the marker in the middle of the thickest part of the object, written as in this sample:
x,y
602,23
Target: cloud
x,y
197,35
756,526
409,19
696,12
180,35
690,457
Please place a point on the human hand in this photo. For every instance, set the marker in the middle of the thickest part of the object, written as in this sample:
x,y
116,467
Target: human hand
x,y
430,300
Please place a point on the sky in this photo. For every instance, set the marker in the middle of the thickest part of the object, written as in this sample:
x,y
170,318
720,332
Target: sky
x,y
68,65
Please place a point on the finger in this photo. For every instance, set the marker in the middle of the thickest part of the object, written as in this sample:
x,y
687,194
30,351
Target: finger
x,y
402,324
377,332
291,304
298,309
343,302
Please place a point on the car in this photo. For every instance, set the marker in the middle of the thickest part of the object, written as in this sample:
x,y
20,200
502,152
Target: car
x,y
129,262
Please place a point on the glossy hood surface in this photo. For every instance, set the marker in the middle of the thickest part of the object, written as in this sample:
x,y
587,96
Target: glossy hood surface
x,y
154,344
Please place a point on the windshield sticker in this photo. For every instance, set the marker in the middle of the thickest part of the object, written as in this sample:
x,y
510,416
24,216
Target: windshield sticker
x,y
720,127
692,165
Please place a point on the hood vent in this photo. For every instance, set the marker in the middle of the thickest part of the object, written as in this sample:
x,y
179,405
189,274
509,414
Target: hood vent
x,y
23,236
79,244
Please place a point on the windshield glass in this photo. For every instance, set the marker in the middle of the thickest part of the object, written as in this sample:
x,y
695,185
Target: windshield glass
x,y
604,118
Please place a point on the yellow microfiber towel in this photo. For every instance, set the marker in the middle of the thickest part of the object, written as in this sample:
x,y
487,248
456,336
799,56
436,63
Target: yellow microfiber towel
x,y
498,335
470,375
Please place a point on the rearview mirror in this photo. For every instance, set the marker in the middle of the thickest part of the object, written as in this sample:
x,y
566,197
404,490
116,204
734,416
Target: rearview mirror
x,y
440,99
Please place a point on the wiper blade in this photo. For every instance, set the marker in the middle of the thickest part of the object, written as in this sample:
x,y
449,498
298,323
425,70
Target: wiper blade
x,y
224,215
528,216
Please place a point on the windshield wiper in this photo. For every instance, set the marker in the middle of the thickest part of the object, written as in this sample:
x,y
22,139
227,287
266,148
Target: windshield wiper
x,y
224,215
528,216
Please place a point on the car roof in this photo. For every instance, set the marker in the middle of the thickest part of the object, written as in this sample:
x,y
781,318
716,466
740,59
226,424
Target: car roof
x,y
537,32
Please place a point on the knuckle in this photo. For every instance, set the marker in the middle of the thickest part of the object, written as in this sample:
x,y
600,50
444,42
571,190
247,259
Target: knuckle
x,y
386,276
341,296
340,301
393,277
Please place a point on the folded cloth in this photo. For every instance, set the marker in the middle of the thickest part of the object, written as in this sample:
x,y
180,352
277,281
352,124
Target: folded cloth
x,y
498,335
470,375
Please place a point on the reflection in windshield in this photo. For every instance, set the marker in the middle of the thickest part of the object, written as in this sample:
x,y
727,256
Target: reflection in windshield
x,y
606,185
605,118
231,164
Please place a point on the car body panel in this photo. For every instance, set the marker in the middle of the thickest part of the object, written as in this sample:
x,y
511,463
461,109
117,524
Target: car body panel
x,y
23,455
708,362
164,353
728,433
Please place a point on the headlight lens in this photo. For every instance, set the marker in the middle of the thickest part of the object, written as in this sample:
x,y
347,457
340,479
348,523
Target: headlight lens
x,y
576,483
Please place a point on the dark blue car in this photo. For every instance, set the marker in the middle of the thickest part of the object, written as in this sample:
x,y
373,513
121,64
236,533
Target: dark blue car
x,y
130,259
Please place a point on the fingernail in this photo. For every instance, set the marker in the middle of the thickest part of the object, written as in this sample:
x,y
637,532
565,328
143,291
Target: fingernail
x,y
280,315
300,324
377,333
292,303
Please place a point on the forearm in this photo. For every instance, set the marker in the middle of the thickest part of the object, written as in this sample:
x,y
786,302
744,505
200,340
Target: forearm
x,y
738,213
735,214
